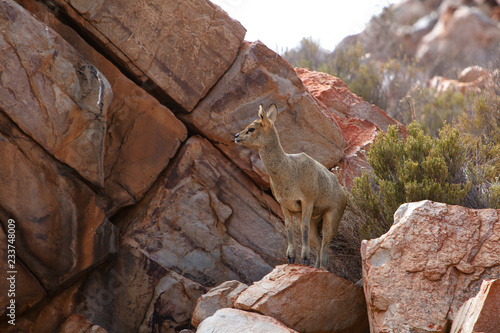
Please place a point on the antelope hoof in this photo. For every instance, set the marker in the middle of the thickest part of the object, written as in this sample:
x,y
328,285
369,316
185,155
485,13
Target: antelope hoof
x,y
306,262
291,260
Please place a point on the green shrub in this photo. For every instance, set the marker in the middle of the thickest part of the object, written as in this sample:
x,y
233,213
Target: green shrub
x,y
418,168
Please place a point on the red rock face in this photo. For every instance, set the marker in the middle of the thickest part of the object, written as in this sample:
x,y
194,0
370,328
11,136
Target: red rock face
x,y
434,257
78,323
164,41
52,93
142,135
75,156
60,229
358,120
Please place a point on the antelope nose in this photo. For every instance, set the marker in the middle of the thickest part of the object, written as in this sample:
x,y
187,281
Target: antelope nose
x,y
237,135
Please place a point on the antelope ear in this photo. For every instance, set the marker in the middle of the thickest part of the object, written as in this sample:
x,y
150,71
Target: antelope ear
x,y
272,113
262,114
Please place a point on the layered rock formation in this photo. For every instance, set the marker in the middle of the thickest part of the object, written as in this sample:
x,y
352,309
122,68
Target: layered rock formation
x,y
88,133
129,197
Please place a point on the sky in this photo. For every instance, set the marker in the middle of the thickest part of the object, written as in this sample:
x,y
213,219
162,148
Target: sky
x,y
281,24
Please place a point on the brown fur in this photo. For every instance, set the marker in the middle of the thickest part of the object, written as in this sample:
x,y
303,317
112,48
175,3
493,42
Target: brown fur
x,y
305,189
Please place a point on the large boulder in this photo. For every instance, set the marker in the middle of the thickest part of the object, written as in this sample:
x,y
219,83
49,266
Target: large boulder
x,y
233,320
480,313
308,300
418,274
206,219
52,93
142,135
182,47
260,76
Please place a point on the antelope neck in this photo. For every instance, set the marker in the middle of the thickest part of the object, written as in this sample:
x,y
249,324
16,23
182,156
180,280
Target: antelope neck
x,y
272,155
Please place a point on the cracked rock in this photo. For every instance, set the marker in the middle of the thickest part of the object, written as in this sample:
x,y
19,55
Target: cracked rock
x,y
418,274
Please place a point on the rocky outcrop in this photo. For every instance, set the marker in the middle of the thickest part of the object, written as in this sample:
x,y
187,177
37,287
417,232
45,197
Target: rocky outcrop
x,y
65,215
142,135
431,261
316,300
170,43
32,292
480,313
233,320
260,76
52,93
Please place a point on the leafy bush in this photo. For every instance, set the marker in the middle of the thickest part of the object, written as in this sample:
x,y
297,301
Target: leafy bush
x,y
418,168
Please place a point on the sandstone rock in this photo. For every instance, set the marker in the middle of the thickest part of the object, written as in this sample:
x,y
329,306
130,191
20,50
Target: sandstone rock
x,y
428,264
463,36
480,313
183,47
142,135
79,324
341,102
52,93
60,229
308,300
222,296
233,320
136,294
260,76
207,220
358,120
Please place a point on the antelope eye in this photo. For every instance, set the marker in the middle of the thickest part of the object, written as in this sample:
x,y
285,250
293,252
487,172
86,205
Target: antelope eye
x,y
250,130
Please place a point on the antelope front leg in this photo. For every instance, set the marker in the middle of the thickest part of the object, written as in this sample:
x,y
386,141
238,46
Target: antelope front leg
x,y
305,226
290,251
